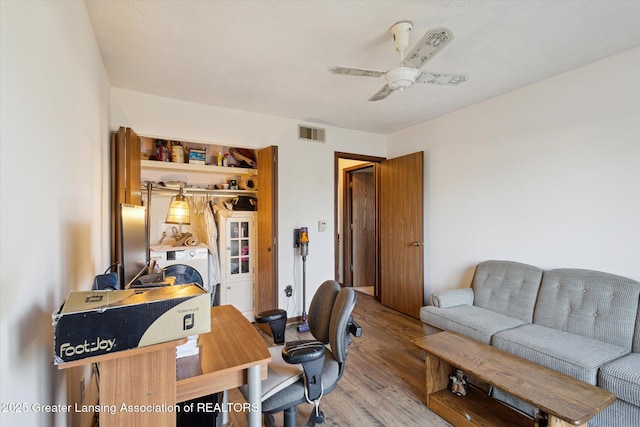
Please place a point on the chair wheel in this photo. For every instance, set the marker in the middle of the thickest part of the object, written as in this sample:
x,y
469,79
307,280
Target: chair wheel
x,y
320,417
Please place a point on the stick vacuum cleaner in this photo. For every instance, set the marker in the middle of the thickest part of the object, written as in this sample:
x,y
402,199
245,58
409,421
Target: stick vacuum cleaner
x,y
304,251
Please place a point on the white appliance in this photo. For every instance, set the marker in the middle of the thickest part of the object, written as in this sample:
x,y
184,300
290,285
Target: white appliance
x,y
196,257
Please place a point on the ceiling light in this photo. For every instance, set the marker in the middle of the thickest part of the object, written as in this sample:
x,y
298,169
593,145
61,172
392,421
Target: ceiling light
x,y
401,77
178,210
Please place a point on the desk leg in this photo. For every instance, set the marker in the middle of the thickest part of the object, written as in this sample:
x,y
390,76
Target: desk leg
x,y
224,418
254,382
142,380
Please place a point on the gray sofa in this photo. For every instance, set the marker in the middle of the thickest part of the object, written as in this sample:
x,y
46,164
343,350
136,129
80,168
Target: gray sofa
x,y
583,323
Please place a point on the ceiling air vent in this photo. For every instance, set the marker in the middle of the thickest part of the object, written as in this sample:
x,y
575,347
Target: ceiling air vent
x,y
307,133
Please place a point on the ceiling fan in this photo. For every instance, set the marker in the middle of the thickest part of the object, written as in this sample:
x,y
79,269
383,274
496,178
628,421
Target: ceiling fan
x,y
407,73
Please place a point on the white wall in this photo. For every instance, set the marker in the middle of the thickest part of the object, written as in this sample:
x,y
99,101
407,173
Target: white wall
x,y
305,172
547,175
54,186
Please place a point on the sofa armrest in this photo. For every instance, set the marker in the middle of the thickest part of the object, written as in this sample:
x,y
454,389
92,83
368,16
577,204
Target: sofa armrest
x,y
452,298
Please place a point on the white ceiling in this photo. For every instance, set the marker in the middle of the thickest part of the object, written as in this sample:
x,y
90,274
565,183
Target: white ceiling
x,y
273,57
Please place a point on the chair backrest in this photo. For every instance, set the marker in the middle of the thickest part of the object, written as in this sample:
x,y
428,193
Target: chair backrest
x,y
320,310
338,329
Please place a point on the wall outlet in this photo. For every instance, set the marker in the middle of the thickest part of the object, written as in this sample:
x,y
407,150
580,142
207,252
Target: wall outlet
x,y
288,291
296,237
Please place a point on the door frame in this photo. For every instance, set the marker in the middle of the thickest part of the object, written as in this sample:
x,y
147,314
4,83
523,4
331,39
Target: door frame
x,y
347,218
375,161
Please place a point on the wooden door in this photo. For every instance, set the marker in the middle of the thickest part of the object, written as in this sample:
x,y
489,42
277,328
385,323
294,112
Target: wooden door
x,y
360,236
266,286
125,180
401,233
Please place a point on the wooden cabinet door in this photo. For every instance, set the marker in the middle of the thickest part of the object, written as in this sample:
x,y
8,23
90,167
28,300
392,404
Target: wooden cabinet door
x,y
125,180
266,285
401,233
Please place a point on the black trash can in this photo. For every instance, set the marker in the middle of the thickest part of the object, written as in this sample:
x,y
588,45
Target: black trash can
x,y
199,412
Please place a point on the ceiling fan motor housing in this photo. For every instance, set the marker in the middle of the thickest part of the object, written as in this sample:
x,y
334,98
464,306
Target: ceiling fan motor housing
x,y
400,31
401,77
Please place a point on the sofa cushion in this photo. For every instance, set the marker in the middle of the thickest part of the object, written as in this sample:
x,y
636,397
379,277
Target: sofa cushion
x,y
622,378
473,322
591,304
571,354
619,413
507,287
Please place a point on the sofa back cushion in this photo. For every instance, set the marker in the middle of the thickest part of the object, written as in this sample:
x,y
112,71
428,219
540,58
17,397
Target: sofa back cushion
x,y
507,287
593,304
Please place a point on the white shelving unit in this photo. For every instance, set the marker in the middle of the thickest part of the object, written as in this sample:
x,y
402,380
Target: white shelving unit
x,y
198,178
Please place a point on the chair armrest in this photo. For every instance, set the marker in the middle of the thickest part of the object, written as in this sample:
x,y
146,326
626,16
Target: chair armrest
x,y
311,354
303,351
271,315
354,328
277,320
452,298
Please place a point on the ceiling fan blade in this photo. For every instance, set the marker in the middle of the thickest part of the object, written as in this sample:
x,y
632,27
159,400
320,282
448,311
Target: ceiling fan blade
x,y
441,79
382,93
432,42
349,71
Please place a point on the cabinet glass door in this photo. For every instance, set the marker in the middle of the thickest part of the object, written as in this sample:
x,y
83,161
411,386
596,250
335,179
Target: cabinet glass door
x,y
239,247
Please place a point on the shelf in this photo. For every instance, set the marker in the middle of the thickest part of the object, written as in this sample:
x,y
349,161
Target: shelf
x,y
188,167
476,409
197,190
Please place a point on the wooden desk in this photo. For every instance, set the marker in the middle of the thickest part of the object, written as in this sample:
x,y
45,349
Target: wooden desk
x,y
231,355
566,400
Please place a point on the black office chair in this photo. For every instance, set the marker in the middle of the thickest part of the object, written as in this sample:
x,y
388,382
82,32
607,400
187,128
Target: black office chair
x,y
303,371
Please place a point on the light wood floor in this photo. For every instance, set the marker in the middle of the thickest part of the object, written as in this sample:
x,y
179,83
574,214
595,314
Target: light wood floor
x,y
384,376
365,289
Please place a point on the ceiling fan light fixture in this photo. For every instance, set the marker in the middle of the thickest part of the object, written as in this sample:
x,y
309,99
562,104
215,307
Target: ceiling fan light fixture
x,y
401,77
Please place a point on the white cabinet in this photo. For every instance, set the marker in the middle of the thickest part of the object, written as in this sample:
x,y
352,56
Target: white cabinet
x,y
237,249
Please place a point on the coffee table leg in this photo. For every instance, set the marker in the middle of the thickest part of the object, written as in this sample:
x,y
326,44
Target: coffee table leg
x,y
436,375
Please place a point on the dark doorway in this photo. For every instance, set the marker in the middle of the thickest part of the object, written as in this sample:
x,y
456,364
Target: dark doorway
x,y
360,234
343,234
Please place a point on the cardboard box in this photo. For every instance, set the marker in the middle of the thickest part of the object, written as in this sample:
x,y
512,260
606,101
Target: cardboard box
x,y
99,322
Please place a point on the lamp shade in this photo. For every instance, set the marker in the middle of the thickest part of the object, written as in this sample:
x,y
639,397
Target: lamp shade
x,y
178,210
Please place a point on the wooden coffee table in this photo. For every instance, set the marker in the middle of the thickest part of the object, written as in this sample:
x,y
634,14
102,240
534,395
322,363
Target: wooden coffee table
x,y
566,400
